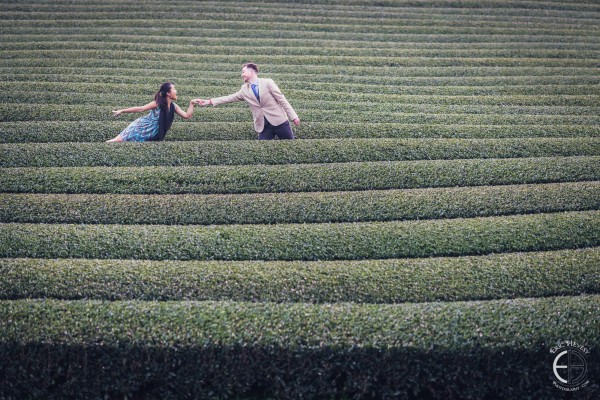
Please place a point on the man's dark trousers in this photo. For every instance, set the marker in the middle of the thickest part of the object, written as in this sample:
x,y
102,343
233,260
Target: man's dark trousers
x,y
283,131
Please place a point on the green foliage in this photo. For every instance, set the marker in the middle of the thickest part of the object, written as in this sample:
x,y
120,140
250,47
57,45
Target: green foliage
x,y
373,240
97,131
172,349
287,152
299,177
449,172
311,207
498,276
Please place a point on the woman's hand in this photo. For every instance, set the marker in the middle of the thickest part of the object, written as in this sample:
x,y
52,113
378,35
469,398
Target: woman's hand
x,y
116,113
201,102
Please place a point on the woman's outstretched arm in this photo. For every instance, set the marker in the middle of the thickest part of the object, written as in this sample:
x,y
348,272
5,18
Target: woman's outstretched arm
x,y
150,106
187,114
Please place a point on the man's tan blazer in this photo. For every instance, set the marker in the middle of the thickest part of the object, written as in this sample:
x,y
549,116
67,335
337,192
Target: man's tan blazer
x,y
273,105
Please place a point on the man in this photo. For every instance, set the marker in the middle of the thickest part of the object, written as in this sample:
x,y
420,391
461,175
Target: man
x,y
269,106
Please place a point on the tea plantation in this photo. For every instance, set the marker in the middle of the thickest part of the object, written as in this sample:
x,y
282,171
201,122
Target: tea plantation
x,y
434,232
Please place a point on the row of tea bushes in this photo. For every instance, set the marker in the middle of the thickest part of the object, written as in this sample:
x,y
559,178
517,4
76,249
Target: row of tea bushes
x,y
95,131
324,100
312,207
305,50
383,77
300,177
329,241
497,276
200,153
287,350
437,245
239,112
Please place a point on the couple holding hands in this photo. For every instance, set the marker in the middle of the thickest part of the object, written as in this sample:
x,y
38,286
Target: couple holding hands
x,y
270,109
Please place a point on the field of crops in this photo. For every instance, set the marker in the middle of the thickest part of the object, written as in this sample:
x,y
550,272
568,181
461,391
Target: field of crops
x,y
433,233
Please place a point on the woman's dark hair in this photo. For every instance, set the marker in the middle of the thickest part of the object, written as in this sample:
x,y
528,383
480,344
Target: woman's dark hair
x,y
161,96
165,118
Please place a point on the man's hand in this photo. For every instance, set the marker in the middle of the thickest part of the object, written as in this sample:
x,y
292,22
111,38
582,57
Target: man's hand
x,y
201,102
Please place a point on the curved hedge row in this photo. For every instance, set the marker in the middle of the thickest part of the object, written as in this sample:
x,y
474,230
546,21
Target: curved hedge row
x,y
272,28
329,100
171,349
316,73
366,7
373,240
95,131
498,276
287,152
240,112
358,61
299,177
321,87
407,16
305,50
311,95
311,207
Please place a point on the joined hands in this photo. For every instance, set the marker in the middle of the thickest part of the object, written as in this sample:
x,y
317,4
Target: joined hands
x,y
201,102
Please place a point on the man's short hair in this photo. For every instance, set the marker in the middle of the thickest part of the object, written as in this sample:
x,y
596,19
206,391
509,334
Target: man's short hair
x,y
251,66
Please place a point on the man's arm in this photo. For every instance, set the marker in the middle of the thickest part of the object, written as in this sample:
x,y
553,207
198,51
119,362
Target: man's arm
x,y
232,98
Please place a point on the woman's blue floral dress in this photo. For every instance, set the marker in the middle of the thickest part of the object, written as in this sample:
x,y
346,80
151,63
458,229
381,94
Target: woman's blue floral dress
x,y
143,128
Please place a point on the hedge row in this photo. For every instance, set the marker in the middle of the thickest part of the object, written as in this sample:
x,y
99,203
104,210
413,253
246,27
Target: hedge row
x,y
327,97
404,16
272,27
175,31
173,350
410,18
381,205
60,80
279,43
239,112
558,12
340,18
371,240
500,276
299,177
238,59
268,67
304,100
101,80
406,19
95,131
299,50
336,74
200,153
357,98
472,7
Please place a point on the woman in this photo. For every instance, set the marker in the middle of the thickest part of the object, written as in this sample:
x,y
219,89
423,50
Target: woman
x,y
154,126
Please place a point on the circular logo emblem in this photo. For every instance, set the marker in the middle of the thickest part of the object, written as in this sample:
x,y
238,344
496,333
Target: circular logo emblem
x,y
570,367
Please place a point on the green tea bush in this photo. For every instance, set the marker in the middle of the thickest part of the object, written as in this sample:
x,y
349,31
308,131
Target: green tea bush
x,y
436,245
287,152
174,350
300,177
372,240
95,131
380,205
497,276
